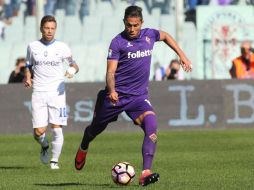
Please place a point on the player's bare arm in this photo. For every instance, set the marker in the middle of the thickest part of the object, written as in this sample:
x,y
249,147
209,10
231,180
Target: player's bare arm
x,y
168,39
110,80
27,78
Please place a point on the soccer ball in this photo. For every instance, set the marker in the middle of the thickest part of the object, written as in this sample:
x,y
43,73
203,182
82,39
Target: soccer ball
x,y
123,173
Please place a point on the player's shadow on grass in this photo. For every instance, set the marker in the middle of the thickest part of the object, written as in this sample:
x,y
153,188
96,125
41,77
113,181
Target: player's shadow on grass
x,y
76,184
12,168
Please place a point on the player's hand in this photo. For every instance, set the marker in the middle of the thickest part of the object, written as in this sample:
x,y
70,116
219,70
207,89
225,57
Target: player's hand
x,y
70,72
113,96
68,75
186,65
28,83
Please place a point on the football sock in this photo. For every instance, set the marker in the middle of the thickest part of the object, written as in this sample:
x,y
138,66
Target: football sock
x,y
57,143
90,133
42,140
149,125
87,138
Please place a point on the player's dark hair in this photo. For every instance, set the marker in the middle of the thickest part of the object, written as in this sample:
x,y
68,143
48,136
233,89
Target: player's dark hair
x,y
47,18
133,11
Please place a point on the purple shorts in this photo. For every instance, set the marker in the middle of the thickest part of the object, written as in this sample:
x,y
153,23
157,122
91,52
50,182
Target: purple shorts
x,y
106,112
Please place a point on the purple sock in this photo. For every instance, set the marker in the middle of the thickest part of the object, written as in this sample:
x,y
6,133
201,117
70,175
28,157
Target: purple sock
x,y
149,125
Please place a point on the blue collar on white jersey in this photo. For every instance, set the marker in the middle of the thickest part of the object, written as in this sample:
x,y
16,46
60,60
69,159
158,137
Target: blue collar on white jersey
x,y
46,43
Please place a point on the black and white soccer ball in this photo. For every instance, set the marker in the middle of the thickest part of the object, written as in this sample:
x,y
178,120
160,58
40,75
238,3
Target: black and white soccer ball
x,y
123,173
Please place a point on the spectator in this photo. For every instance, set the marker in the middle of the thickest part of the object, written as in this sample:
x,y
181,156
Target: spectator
x,y
68,5
5,18
160,72
172,72
84,10
243,66
50,7
30,7
17,75
12,8
2,29
190,13
249,2
163,5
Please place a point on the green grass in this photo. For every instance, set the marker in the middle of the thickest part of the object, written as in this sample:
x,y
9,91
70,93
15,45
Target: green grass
x,y
188,159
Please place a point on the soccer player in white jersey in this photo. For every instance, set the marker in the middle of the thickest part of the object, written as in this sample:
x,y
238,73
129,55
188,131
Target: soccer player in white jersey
x,y
47,57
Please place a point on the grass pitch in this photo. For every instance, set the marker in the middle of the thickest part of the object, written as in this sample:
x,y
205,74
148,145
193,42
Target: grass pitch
x,y
186,160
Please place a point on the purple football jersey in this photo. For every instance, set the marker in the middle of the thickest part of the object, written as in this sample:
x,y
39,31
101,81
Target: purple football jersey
x,y
134,60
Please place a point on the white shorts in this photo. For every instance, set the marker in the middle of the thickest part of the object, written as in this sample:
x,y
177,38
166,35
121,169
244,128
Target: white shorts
x,y
48,107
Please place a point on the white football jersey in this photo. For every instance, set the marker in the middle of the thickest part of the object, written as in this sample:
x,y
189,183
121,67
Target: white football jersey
x,y
48,61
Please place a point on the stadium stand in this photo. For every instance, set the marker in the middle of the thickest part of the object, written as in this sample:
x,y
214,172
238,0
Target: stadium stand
x,y
89,40
29,29
91,29
72,30
5,49
11,34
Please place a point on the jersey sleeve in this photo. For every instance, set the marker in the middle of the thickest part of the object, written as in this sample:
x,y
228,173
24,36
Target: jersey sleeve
x,y
156,34
113,51
66,50
67,55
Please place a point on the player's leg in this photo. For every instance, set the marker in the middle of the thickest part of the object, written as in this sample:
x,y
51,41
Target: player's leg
x,y
57,144
40,122
141,112
58,118
40,137
90,133
104,113
149,125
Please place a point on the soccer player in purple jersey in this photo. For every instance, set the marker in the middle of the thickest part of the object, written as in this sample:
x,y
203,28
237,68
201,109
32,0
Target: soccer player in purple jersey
x,y
127,78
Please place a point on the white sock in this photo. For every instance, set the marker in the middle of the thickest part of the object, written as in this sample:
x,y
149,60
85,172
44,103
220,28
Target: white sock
x,y
57,143
42,140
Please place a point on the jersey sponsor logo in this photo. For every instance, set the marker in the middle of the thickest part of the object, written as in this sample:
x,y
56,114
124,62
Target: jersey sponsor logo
x,y
47,63
139,54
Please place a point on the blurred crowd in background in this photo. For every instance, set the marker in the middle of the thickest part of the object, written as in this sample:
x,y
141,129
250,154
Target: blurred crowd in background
x,y
11,8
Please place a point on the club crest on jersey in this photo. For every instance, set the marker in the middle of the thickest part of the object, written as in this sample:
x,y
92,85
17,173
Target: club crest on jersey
x,y
45,53
109,52
148,39
129,44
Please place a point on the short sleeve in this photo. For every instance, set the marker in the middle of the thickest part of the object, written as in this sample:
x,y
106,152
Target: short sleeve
x,y
156,34
66,51
113,51
67,55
